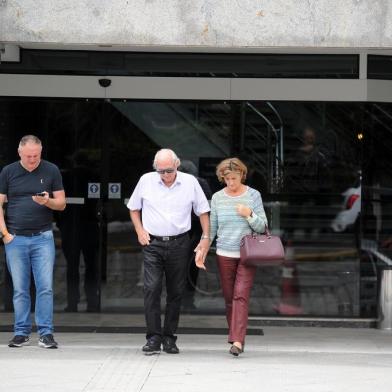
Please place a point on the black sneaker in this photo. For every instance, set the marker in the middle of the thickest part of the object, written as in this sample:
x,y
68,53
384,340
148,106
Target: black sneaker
x,y
47,341
152,346
19,341
169,345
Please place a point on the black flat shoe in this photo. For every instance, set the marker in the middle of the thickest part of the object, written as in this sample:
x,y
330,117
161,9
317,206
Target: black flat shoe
x,y
236,351
169,345
152,346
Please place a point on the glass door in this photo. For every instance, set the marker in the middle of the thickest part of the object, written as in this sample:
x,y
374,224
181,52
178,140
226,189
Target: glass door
x,y
133,132
126,154
73,133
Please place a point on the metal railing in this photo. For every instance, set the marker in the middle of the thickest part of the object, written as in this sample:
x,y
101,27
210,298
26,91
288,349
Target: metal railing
x,y
274,165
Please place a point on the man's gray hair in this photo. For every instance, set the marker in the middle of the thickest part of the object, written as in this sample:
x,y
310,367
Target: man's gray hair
x,y
29,139
166,152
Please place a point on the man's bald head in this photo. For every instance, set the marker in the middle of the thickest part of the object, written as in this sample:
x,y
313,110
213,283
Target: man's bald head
x,y
166,155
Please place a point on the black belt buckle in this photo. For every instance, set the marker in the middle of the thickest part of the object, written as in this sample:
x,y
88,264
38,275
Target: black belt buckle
x,y
168,237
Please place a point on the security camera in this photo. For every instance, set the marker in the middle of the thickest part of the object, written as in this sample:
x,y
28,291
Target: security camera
x,y
104,82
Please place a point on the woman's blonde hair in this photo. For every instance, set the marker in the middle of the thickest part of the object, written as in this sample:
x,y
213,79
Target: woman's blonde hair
x,y
231,165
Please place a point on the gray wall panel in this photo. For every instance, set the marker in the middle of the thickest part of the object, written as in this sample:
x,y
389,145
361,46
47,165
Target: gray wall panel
x,y
197,88
380,90
50,86
169,88
299,89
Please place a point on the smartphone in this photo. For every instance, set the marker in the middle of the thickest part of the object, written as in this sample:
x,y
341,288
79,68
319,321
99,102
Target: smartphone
x,y
42,194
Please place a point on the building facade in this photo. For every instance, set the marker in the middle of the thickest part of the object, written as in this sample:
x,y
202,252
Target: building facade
x,y
300,90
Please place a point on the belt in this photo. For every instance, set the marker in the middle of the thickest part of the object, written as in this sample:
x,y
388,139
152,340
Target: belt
x,y
27,233
168,237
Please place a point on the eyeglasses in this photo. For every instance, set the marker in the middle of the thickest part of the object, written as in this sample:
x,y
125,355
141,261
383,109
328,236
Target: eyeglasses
x,y
168,171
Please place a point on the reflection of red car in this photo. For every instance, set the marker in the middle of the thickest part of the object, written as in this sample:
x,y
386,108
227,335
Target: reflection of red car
x,y
350,210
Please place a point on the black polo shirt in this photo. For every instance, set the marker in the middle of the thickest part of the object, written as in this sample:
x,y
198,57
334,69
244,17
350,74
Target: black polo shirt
x,y
22,213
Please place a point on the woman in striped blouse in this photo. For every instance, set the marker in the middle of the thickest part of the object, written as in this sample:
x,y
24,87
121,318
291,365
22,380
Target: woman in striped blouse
x,y
236,210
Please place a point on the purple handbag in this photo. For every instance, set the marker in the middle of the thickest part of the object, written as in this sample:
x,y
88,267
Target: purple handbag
x,y
261,249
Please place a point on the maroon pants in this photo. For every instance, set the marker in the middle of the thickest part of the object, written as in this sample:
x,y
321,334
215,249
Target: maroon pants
x,y
236,281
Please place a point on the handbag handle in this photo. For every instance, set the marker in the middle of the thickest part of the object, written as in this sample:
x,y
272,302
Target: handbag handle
x,y
266,232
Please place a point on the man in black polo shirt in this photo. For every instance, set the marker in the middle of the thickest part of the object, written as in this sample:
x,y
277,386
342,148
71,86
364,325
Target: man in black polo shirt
x,y
32,188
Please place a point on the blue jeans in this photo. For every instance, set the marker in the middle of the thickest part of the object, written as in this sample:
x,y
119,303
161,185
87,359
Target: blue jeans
x,y
25,254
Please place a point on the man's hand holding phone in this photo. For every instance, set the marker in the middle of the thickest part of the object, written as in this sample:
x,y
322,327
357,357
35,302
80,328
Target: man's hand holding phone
x,y
41,198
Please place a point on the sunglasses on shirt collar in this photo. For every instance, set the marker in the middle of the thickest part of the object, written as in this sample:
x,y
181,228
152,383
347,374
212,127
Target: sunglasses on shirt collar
x,y
163,171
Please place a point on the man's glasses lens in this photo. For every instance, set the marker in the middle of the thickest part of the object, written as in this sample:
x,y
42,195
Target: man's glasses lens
x,y
168,171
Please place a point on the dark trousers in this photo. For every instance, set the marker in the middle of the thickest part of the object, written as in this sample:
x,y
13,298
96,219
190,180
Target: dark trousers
x,y
192,270
236,281
167,258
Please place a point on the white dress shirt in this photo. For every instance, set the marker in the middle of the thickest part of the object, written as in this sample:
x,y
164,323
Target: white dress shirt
x,y
166,211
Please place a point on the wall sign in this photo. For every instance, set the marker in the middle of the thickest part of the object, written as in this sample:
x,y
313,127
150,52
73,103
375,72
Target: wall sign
x,y
114,190
94,190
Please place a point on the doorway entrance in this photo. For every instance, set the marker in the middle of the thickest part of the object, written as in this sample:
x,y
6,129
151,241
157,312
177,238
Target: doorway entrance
x,y
103,146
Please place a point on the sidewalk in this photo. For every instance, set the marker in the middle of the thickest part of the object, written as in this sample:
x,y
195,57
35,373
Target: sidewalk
x,y
284,359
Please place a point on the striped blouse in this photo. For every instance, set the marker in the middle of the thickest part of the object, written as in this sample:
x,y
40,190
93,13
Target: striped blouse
x,y
228,226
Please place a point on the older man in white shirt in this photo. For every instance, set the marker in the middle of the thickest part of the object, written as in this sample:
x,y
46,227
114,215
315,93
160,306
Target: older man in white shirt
x,y
166,198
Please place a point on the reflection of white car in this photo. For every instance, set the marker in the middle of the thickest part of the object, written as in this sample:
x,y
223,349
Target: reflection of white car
x,y
351,210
